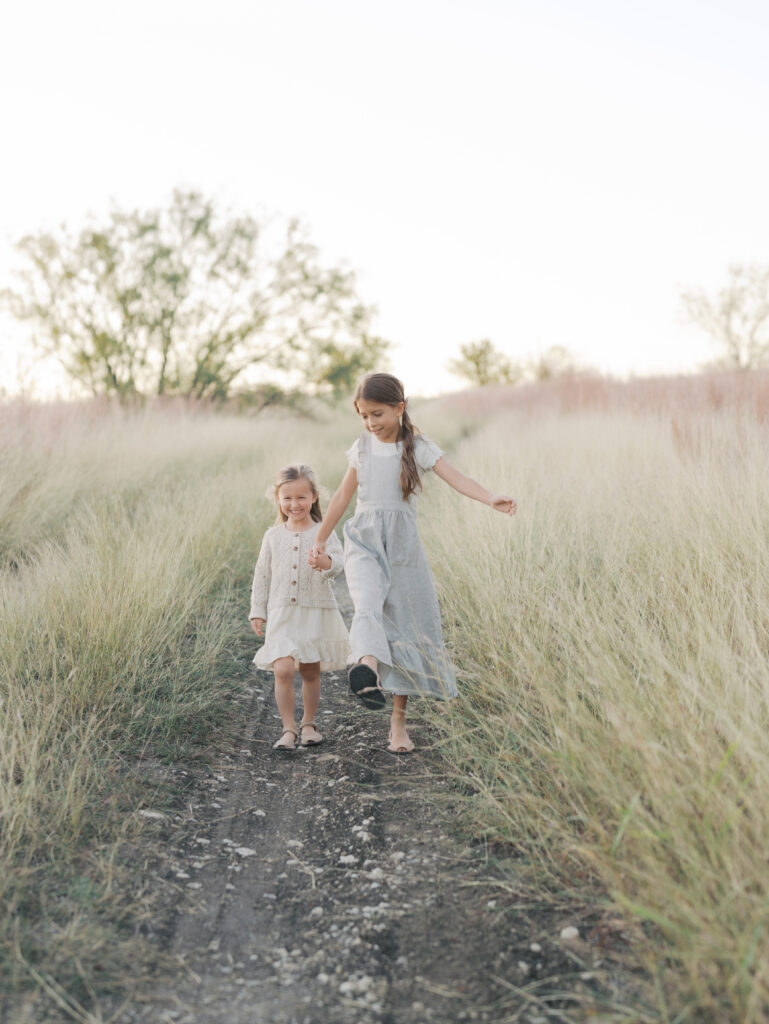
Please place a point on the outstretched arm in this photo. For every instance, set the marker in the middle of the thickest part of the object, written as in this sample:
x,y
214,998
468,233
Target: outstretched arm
x,y
471,488
336,509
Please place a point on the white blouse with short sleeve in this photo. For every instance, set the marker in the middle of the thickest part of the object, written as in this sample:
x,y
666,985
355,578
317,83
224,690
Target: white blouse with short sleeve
x,y
425,452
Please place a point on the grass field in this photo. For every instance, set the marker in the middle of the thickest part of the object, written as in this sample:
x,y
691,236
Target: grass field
x,y
611,644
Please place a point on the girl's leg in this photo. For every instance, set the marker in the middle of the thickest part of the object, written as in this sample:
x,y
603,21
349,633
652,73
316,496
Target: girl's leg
x,y
368,584
310,674
284,670
400,742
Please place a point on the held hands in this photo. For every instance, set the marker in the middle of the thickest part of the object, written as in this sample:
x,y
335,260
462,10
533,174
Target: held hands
x,y
317,557
502,504
258,626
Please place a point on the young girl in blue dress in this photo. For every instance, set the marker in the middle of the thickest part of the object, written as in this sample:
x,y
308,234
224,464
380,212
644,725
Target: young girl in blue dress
x,y
395,636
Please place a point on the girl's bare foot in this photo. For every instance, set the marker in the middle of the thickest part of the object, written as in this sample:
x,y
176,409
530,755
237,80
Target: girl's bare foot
x,y
399,741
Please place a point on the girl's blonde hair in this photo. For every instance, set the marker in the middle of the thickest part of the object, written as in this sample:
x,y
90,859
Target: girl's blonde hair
x,y
288,475
388,390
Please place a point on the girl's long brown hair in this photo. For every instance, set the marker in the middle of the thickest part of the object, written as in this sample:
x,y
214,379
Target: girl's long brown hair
x,y
388,390
288,475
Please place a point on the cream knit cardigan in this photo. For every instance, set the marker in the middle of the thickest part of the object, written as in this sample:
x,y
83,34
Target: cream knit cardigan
x,y
283,578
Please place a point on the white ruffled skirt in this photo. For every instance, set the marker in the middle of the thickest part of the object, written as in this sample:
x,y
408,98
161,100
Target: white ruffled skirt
x,y
307,635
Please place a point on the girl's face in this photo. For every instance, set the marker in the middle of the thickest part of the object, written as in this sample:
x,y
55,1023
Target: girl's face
x,y
295,500
383,421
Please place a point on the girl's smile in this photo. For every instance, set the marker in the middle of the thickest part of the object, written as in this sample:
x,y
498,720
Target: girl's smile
x,y
383,421
295,500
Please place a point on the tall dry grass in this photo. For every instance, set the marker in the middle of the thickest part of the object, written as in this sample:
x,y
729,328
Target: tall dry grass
x,y
126,551
695,394
613,645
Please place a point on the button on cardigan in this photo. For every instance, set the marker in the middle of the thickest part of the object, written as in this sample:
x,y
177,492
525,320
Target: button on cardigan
x,y
283,578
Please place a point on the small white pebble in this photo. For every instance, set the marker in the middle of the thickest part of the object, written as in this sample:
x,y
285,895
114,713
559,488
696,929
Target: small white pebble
x,y
316,912
567,934
182,874
295,842
535,947
259,813
523,967
151,814
348,858
245,851
194,885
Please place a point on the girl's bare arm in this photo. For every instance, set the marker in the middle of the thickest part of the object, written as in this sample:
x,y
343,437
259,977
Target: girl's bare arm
x,y
336,509
471,488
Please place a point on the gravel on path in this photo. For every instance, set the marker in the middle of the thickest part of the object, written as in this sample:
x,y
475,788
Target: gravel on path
x,y
331,885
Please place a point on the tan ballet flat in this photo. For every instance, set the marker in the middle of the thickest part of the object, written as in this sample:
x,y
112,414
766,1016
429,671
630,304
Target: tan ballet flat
x,y
280,745
310,742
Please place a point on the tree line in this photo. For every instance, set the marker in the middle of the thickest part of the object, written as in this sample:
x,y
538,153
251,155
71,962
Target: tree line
x,y
187,301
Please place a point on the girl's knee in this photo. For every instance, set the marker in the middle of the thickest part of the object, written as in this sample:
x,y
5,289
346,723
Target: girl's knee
x,y
284,669
310,672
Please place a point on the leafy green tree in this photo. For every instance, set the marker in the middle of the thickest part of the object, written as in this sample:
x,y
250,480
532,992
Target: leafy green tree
x,y
185,301
737,317
481,364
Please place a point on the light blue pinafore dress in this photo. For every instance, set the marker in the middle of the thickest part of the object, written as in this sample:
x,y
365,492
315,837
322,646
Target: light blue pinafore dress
x,y
397,619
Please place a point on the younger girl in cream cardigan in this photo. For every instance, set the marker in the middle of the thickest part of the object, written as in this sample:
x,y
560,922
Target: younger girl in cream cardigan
x,y
292,596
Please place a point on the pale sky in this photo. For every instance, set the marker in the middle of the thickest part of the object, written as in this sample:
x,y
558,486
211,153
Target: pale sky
x,y
538,172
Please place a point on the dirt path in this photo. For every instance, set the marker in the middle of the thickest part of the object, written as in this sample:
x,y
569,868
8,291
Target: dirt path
x,y
329,886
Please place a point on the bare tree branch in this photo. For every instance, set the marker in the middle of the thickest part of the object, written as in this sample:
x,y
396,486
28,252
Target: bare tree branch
x,y
737,317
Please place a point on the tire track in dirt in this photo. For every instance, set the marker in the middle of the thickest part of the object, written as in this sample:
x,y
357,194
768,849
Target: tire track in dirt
x,y
327,885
